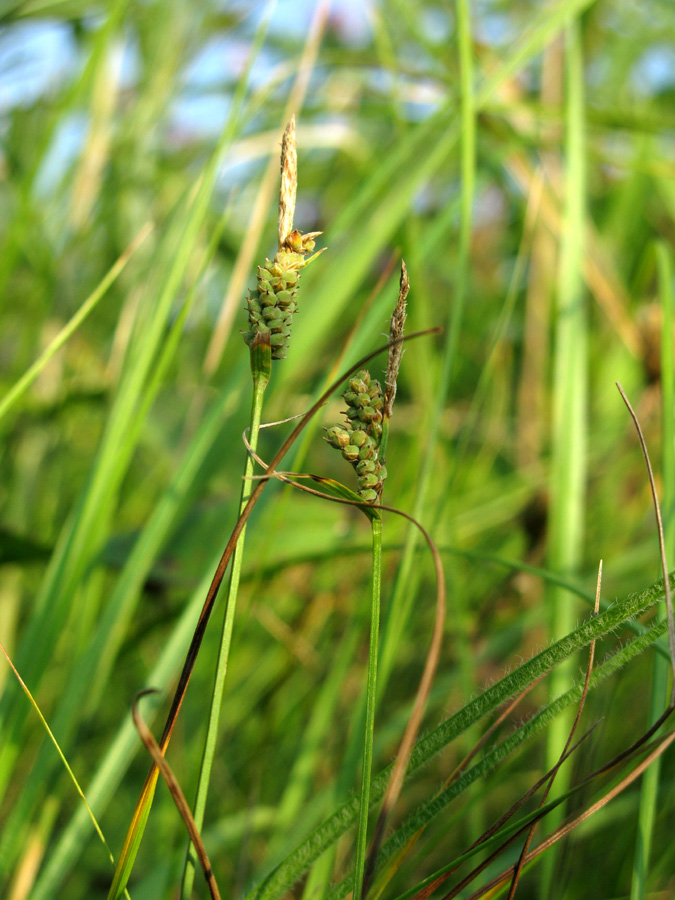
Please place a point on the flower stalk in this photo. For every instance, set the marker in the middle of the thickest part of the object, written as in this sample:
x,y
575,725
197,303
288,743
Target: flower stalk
x,y
270,316
261,356
362,441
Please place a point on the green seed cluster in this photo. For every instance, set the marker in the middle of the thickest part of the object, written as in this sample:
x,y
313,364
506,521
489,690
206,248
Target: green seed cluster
x,y
272,308
360,439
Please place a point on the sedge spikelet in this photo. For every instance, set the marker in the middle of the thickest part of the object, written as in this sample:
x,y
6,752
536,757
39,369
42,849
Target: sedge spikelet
x,y
275,301
359,439
363,439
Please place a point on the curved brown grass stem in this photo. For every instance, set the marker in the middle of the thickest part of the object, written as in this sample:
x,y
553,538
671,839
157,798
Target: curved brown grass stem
x,y
415,720
155,752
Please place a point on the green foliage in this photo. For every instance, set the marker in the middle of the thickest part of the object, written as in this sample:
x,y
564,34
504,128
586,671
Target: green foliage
x,y
529,189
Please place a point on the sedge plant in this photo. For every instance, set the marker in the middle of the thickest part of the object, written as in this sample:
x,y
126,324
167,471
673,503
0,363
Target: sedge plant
x,y
400,184
363,442
270,315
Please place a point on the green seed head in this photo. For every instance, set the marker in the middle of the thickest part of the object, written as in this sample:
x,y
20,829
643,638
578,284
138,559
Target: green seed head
x,y
360,440
275,302
365,466
337,436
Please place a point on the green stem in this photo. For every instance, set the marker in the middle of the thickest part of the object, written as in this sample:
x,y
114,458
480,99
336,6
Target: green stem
x,y
568,466
260,381
362,833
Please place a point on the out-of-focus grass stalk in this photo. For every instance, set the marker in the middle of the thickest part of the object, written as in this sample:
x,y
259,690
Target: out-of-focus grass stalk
x,y
659,698
260,370
29,376
460,617
403,597
371,698
568,466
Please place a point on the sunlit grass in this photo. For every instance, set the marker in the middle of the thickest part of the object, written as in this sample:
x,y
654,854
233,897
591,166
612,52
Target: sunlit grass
x,y
515,181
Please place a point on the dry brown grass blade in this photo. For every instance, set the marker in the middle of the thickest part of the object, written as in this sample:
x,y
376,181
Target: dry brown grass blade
x,y
635,748
582,703
454,775
182,805
662,540
495,827
661,745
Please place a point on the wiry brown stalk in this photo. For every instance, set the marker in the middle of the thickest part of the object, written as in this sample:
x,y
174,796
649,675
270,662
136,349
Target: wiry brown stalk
x,y
625,755
454,776
155,752
662,540
494,828
661,745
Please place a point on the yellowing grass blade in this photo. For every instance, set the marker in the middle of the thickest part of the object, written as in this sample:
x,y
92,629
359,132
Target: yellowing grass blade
x,y
79,790
134,837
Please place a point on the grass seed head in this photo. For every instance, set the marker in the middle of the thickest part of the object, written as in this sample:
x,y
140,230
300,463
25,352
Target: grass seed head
x,y
272,306
359,440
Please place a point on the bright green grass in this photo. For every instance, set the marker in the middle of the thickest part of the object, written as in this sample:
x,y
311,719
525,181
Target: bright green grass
x,y
121,460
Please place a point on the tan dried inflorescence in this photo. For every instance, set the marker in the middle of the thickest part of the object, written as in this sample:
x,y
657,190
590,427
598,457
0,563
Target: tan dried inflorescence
x,y
271,308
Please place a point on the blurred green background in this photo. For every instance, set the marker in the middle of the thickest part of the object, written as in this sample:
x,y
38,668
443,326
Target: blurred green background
x,y
519,157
